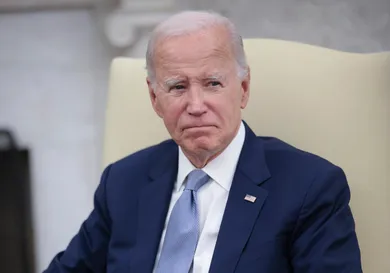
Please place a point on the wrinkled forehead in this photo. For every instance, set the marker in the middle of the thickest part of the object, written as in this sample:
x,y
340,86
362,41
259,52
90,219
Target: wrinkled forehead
x,y
202,52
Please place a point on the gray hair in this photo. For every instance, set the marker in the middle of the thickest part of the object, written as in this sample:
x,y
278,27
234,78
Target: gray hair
x,y
187,22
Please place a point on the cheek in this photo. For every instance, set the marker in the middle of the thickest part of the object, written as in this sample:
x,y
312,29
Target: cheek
x,y
173,110
227,107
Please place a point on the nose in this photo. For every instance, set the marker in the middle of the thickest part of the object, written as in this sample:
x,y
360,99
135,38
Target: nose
x,y
196,105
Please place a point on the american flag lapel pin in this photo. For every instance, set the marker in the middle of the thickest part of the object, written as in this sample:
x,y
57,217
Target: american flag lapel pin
x,y
250,198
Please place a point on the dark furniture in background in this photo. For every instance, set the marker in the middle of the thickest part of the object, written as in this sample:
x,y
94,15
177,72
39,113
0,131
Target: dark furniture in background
x,y
16,237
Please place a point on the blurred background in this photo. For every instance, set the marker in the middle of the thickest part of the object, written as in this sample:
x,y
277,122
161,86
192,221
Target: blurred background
x,y
54,63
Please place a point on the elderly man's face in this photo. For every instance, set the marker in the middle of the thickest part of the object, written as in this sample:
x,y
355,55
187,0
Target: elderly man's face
x,y
197,92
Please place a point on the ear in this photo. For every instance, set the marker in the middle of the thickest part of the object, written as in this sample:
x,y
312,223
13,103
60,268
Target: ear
x,y
245,88
153,98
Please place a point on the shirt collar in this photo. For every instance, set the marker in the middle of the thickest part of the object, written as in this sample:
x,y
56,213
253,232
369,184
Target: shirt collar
x,y
221,169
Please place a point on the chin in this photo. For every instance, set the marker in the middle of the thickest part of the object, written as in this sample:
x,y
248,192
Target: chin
x,y
201,144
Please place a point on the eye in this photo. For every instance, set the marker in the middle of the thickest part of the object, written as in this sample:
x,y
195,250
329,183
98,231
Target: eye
x,y
178,87
214,83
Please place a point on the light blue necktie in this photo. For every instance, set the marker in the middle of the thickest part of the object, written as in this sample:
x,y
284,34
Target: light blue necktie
x,y
183,231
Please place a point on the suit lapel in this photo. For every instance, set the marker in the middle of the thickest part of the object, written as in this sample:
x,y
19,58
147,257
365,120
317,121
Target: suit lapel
x,y
153,203
241,214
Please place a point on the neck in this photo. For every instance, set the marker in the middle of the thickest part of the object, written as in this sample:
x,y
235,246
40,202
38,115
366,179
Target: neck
x,y
201,159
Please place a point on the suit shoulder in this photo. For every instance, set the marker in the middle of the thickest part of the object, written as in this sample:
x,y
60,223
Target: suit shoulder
x,y
281,153
140,159
298,171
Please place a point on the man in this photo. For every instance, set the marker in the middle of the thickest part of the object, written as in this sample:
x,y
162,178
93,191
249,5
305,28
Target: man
x,y
215,198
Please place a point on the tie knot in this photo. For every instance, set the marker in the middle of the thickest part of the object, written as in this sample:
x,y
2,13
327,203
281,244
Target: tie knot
x,y
196,179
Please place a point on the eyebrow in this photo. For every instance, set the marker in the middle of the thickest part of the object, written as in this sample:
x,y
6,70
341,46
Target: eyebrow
x,y
177,79
216,77
172,81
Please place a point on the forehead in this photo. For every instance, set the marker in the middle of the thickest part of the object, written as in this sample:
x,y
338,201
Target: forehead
x,y
203,52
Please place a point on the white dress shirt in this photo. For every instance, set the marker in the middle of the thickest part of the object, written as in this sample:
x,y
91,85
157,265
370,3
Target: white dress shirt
x,y
212,198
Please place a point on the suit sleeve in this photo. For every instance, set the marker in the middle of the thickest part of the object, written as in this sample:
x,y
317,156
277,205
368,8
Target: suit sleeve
x,y
324,237
86,252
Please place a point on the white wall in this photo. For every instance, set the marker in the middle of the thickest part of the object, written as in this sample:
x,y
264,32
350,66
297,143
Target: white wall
x,y
348,25
53,76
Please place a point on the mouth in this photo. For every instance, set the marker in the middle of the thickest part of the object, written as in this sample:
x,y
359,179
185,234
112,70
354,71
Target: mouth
x,y
198,127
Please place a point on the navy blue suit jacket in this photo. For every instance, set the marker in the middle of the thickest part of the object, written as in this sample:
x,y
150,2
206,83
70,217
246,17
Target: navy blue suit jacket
x,y
300,222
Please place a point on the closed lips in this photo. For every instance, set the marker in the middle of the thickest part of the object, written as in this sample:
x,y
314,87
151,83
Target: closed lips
x,y
197,126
